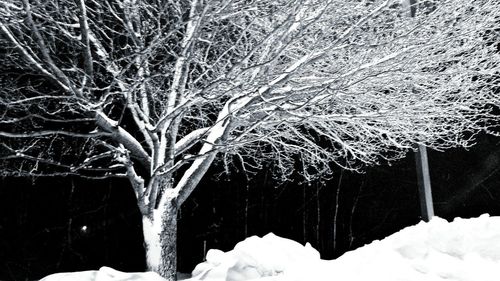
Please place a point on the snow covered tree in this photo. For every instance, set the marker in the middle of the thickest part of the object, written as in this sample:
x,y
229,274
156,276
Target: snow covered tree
x,y
155,91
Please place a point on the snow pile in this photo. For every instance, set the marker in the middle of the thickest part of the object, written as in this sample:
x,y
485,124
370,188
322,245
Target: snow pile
x,y
255,257
103,274
463,250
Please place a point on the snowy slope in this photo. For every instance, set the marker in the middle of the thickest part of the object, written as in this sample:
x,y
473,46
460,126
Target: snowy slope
x,y
466,249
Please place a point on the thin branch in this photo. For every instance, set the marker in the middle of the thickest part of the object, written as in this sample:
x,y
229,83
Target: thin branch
x,y
84,30
44,133
31,58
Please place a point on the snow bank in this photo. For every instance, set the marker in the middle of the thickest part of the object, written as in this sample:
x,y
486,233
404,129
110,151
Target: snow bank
x,y
255,257
103,274
463,250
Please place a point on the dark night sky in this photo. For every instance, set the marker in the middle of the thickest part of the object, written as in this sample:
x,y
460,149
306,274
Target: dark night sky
x,y
69,224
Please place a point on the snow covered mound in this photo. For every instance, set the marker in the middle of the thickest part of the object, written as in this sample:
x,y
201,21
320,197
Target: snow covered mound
x,y
103,274
255,257
463,250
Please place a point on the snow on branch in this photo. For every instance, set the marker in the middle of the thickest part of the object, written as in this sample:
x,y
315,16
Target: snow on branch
x,y
169,89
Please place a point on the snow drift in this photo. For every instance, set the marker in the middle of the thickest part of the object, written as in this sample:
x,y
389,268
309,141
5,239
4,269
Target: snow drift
x,y
463,250
255,258
103,274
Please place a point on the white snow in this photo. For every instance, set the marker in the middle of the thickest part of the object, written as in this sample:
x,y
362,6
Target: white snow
x,y
103,274
254,258
151,230
462,250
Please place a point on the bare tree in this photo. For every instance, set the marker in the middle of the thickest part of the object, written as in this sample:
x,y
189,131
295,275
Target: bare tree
x,y
155,91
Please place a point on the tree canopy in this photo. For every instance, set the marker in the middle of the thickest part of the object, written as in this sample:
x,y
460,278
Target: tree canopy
x,y
155,91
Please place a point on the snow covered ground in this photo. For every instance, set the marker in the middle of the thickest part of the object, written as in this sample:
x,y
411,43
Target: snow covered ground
x,y
103,274
463,250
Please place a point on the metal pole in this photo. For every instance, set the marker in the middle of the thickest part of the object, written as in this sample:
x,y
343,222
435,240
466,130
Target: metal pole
x,y
424,183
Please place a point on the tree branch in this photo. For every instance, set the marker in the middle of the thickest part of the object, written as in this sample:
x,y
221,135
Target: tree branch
x,y
120,135
84,30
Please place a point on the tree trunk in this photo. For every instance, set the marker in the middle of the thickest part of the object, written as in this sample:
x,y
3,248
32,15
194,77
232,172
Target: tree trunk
x,y
160,237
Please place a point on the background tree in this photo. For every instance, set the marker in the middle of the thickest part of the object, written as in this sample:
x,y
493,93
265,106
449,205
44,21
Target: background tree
x,y
155,91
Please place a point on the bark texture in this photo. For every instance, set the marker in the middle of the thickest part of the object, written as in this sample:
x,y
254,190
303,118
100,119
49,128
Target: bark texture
x,y
160,236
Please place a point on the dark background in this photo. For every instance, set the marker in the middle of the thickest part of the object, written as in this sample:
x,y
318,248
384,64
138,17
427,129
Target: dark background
x,y
67,224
